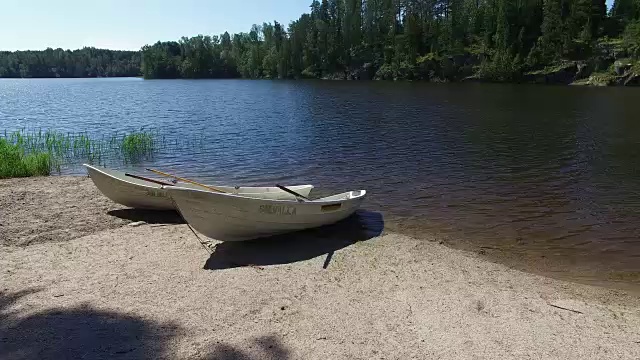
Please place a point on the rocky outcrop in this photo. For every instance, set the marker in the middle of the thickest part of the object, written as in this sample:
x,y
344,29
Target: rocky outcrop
x,y
630,78
598,79
622,67
365,72
605,68
621,73
338,75
584,69
565,73
473,78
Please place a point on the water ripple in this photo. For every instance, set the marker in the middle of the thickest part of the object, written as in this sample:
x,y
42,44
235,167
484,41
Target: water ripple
x,y
553,167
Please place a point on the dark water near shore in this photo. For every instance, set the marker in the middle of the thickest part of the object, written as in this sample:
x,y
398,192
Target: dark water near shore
x,y
541,178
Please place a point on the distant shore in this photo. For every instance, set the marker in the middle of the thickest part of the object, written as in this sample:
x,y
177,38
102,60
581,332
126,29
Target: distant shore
x,y
118,281
559,77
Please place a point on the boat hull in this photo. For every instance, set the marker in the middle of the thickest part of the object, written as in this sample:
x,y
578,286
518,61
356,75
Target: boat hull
x,y
237,218
141,194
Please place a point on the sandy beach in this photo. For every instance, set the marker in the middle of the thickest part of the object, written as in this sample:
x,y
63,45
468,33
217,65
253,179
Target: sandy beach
x,y
81,277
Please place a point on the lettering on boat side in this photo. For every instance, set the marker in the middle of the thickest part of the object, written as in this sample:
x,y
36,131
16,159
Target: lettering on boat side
x,y
285,210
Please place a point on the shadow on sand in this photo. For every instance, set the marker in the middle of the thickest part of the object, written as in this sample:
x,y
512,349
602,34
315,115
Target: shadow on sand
x,y
148,216
303,245
271,348
80,332
84,332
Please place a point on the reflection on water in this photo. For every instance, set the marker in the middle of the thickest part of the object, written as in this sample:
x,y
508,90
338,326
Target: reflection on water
x,y
541,176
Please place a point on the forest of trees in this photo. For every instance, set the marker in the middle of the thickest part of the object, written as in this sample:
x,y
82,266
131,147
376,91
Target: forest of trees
x,y
437,40
52,63
411,39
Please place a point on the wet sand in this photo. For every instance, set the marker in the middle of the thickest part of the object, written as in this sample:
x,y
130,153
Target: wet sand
x,y
82,277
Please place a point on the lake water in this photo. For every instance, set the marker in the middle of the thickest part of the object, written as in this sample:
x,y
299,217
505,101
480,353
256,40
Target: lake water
x,y
542,178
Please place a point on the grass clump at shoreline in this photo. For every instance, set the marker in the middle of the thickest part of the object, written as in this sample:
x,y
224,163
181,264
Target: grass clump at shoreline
x,y
84,146
31,153
56,143
136,145
14,162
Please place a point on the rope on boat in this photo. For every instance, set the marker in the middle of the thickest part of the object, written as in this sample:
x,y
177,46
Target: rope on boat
x,y
202,243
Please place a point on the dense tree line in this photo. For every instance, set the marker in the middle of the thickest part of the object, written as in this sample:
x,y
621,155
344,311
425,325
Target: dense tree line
x,y
387,39
51,63
408,39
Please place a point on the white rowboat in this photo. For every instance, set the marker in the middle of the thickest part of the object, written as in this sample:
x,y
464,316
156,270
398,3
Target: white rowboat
x,y
228,217
142,194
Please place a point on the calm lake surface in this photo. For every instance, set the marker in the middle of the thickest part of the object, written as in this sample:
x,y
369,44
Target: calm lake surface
x,y
542,178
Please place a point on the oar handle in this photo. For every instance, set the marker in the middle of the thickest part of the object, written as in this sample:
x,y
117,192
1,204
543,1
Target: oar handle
x,y
292,192
147,179
186,180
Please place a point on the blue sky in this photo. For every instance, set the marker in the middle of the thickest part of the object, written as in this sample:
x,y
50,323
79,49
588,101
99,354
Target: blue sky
x,y
129,24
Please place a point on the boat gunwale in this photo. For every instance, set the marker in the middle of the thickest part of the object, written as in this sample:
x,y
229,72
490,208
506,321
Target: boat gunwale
x,y
124,179
320,201
164,187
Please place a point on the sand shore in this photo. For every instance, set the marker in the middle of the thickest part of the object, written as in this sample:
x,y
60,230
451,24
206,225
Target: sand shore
x,y
78,280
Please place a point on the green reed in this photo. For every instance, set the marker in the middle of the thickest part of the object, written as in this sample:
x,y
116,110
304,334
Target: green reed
x,y
14,162
137,145
30,153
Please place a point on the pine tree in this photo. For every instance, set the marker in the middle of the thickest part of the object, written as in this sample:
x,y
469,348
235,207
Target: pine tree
x,y
626,10
551,41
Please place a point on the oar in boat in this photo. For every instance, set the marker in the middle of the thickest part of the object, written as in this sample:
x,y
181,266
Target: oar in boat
x,y
293,192
187,180
148,179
